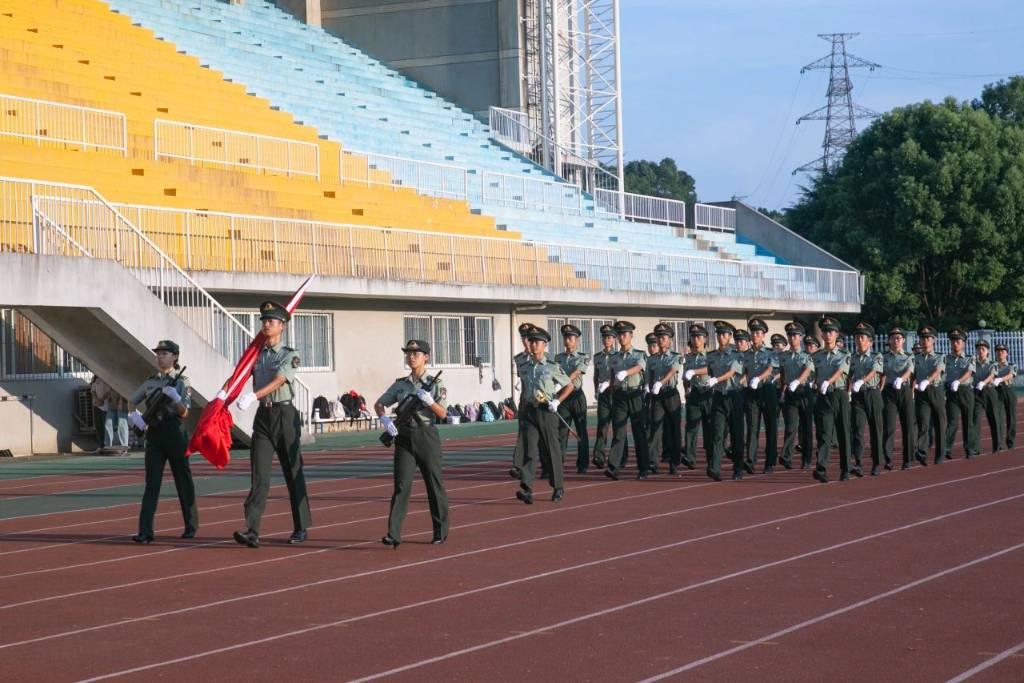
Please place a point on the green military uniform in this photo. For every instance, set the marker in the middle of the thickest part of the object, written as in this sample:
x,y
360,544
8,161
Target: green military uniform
x,y
726,405
665,431
986,403
602,389
698,402
166,442
574,408
762,402
832,408
960,401
1005,373
417,446
929,402
898,403
627,406
541,381
866,401
520,360
797,409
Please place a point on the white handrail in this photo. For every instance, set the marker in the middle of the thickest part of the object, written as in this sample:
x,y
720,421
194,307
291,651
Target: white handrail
x,y
717,218
46,121
427,177
641,208
531,193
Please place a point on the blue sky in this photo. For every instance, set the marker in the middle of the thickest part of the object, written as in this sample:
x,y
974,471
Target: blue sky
x,y
717,85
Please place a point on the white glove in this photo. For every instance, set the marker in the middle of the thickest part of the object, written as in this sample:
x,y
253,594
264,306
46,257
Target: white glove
x,y
645,390
954,386
245,400
857,385
712,382
794,385
656,388
997,381
135,417
897,383
602,387
620,375
823,387
558,387
222,395
172,393
424,396
754,382
389,425
922,385
979,386
553,405
688,375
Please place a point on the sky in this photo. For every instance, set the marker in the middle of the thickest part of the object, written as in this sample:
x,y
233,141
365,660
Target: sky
x,y
716,84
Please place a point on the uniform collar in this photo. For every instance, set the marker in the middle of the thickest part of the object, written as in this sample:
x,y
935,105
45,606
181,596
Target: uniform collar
x,y
275,348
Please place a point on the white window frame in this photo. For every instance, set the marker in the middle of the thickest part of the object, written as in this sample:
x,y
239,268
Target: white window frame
x,y
463,360
590,327
251,320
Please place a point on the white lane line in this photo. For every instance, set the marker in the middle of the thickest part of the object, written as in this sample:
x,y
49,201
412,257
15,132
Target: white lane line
x,y
988,663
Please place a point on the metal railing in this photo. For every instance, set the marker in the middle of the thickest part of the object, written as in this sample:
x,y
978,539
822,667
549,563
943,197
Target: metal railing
x,y
235,149
56,123
715,218
642,208
427,178
531,193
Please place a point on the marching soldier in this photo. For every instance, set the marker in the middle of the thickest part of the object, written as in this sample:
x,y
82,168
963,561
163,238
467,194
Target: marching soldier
x,y
166,440
574,409
797,409
653,455
545,386
417,443
959,395
628,367
666,407
898,399
866,368
1005,372
725,367
930,401
741,341
778,344
698,398
277,428
520,360
987,401
812,345
832,408
602,382
762,397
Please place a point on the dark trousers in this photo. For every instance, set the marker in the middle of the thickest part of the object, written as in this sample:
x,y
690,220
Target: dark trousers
x,y
604,428
166,443
798,416
540,442
698,417
763,405
517,452
960,407
987,404
931,417
665,435
276,429
726,418
832,418
1008,402
574,411
628,407
866,407
898,405
418,449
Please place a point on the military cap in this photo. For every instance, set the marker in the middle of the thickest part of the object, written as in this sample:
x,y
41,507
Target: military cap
x,y
416,345
624,326
524,329
651,338
828,323
982,342
274,311
864,328
795,328
1001,347
893,331
723,327
957,333
166,345
662,328
812,341
741,335
698,330
927,331
756,324
570,330
538,333
916,348
607,330
778,339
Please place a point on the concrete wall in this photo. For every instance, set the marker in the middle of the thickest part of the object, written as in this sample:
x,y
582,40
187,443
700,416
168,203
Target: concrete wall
x,y
53,428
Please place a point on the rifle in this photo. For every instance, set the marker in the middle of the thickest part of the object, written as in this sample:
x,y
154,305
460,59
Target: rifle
x,y
406,408
155,403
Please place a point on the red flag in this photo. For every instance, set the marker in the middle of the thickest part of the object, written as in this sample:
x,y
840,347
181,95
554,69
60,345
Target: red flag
x,y
212,437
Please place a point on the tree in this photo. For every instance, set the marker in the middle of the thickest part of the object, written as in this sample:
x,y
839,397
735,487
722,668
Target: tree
x,y
774,214
1004,100
929,205
661,179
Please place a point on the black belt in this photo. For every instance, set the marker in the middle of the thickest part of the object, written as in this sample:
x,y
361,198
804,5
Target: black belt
x,y
265,403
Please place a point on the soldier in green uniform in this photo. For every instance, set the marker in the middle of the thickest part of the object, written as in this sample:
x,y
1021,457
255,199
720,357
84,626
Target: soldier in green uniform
x,y
698,398
778,343
277,428
812,345
663,369
741,344
652,350
628,367
602,383
574,364
866,368
798,416
898,399
1005,373
930,400
959,381
545,386
762,363
986,402
166,440
417,443
520,359
832,408
725,368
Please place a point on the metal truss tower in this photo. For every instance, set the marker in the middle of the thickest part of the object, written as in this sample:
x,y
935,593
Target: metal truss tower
x,y
840,112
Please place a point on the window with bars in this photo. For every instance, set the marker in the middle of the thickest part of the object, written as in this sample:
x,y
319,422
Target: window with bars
x,y
26,352
590,340
454,340
310,334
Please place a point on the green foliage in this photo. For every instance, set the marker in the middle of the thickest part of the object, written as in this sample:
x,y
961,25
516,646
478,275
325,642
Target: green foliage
x,y
662,179
1004,100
